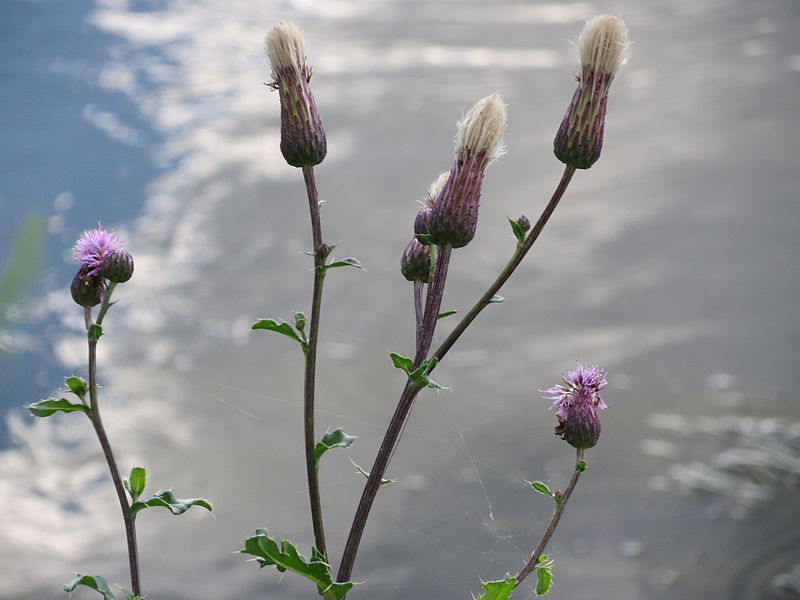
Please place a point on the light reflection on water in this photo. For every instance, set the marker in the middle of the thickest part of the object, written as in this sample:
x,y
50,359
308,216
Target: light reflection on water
x,y
653,267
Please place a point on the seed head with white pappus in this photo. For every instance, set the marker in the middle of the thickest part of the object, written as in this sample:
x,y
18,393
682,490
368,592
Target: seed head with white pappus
x,y
303,142
479,141
577,402
422,222
603,49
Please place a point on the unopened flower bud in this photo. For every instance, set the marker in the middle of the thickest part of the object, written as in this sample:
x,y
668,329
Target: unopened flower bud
x,y
117,266
303,142
524,223
479,141
603,49
415,264
577,402
422,222
86,289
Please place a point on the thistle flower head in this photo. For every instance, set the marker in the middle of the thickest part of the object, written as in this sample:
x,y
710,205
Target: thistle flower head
x,y
87,290
92,248
415,264
117,266
479,141
603,49
422,222
577,402
303,141
480,132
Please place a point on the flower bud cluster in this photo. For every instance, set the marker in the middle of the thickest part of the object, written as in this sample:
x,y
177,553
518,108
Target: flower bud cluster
x,y
102,258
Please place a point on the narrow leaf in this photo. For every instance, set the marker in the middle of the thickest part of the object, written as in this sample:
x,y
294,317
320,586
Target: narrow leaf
x,y
284,556
498,590
45,408
94,582
77,386
279,326
496,300
345,262
169,500
518,231
446,313
136,482
366,475
332,439
542,488
401,362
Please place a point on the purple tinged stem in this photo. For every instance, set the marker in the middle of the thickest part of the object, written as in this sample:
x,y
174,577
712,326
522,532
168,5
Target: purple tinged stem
x,y
97,423
311,364
559,510
410,391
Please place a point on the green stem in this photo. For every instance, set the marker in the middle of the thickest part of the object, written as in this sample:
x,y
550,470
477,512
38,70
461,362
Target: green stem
x,y
311,362
561,504
97,423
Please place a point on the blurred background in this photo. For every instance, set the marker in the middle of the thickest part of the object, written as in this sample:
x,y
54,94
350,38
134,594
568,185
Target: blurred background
x,y
672,263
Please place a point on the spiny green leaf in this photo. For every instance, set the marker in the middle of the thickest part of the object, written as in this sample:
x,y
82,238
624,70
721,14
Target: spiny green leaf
x,y
446,313
345,262
285,557
77,386
169,500
332,439
45,408
544,575
94,582
366,475
95,332
542,488
496,300
498,590
136,482
401,362
279,326
518,231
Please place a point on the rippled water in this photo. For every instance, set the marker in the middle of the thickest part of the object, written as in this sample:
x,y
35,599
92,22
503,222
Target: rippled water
x,y
672,262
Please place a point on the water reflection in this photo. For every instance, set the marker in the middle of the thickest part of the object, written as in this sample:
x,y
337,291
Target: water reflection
x,y
640,271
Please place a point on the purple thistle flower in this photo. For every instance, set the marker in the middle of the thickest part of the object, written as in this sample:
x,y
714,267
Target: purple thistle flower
x,y
576,403
92,248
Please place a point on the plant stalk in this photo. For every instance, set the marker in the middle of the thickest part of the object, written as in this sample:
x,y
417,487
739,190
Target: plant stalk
x,y
311,363
432,305
409,394
559,510
97,423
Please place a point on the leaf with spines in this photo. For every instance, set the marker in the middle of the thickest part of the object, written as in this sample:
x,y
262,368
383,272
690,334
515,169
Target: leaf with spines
x,y
498,590
136,482
518,231
401,362
77,386
95,332
366,474
345,262
95,582
284,556
45,408
332,439
281,327
544,575
170,501
542,488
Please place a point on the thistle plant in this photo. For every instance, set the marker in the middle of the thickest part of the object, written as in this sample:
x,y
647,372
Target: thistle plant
x,y
103,265
447,221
